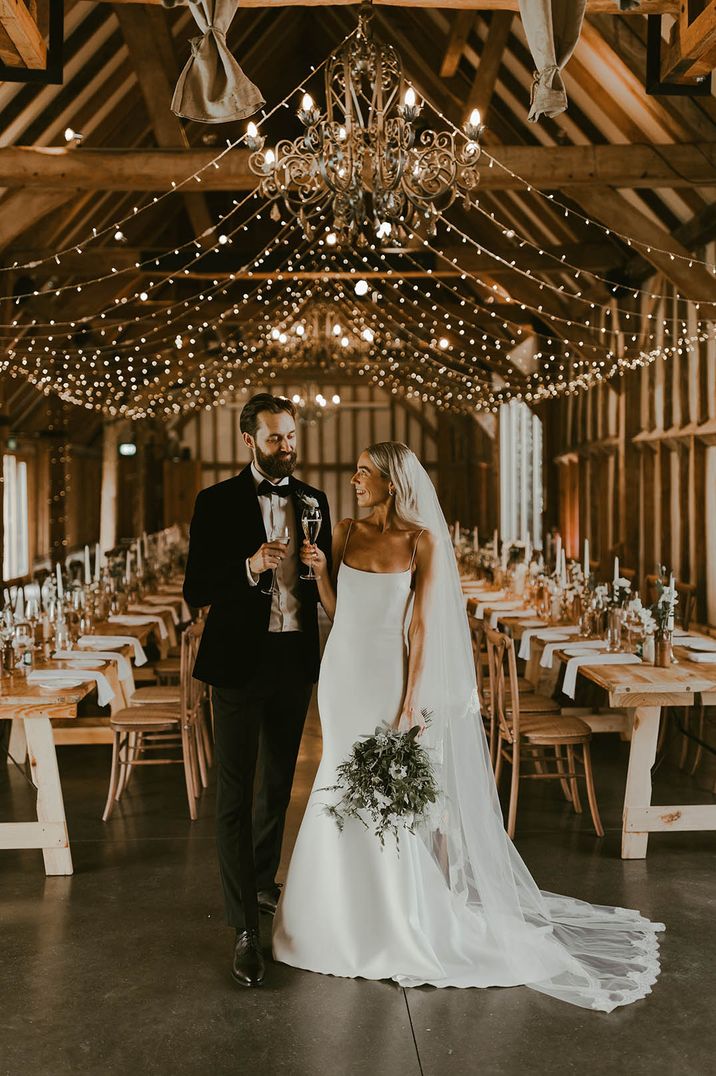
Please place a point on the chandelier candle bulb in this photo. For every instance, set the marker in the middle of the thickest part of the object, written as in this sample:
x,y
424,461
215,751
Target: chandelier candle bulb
x,y
254,140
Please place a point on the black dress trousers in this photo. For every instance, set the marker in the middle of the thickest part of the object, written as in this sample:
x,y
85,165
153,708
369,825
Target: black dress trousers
x,y
258,729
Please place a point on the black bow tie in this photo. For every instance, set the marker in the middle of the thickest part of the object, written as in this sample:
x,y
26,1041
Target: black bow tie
x,y
267,489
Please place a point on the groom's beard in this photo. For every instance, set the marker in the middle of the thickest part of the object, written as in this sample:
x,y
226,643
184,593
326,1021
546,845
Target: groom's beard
x,y
276,466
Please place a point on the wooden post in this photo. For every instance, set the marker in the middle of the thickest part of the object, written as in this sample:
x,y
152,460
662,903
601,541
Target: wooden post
x,y
108,496
59,484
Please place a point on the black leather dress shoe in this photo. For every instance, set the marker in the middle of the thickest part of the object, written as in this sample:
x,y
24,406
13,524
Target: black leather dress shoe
x,y
268,899
248,966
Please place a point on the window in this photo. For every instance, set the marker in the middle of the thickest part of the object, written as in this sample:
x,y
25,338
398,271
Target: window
x,y
520,474
16,558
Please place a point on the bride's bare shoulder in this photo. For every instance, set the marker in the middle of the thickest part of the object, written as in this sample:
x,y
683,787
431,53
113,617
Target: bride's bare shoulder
x,y
341,528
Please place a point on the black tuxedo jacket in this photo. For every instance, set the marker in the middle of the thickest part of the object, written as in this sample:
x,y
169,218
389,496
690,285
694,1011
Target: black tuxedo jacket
x,y
227,527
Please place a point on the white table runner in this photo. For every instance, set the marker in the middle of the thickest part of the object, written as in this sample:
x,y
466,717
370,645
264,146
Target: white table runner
x,y
100,642
138,620
573,665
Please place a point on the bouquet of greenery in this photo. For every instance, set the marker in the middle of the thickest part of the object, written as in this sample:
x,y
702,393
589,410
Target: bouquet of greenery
x,y
387,782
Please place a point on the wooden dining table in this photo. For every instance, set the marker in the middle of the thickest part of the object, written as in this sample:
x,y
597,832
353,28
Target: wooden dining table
x,y
643,691
36,707
637,695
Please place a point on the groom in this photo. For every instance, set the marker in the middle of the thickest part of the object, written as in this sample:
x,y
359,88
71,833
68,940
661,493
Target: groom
x,y
260,653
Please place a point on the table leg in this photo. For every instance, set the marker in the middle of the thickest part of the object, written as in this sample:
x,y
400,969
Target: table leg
x,y
18,744
638,785
50,805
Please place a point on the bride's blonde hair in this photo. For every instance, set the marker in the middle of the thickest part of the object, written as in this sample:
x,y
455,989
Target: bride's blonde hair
x,y
399,464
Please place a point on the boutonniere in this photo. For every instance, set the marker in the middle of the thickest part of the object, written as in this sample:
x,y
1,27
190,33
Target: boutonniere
x,y
306,498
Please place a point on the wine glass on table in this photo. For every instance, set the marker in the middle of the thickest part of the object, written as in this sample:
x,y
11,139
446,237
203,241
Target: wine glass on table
x,y
311,520
282,535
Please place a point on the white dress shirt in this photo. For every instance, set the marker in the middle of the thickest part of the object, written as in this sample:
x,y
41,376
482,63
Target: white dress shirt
x,y
278,512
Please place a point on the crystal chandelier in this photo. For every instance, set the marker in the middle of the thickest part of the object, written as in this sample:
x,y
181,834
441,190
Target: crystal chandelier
x,y
318,339
312,406
362,165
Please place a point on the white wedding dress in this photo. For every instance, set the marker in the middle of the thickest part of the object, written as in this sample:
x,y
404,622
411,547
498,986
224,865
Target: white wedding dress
x,y
448,907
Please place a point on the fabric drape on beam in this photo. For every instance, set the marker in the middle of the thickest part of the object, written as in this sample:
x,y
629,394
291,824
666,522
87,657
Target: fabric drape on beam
x,y
212,88
552,28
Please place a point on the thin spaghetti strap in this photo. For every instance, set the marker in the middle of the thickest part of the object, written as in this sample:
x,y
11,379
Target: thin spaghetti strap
x,y
415,550
345,544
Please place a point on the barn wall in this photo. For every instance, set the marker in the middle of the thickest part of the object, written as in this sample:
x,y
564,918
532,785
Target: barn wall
x,y
632,463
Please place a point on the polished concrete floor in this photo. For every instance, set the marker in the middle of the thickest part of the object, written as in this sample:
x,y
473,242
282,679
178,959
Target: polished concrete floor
x,y
124,967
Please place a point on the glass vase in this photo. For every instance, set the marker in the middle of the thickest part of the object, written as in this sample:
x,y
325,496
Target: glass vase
x,y
614,629
649,649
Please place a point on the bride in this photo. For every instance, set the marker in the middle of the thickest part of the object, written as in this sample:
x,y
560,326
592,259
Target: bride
x,y
452,904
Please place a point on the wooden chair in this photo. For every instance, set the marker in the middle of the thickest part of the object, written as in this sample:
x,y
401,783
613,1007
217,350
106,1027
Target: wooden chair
x,y
537,737
167,670
531,701
157,694
157,729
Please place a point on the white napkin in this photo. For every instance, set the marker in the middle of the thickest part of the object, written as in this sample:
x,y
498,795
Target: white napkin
x,y
542,633
570,672
704,658
509,613
100,642
156,607
483,596
137,620
104,688
161,599
497,606
587,647
554,643
82,660
707,645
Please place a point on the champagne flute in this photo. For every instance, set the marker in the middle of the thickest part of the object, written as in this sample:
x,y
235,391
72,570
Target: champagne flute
x,y
311,520
282,535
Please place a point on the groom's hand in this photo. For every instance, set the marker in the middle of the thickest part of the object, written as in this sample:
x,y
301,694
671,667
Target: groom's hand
x,y
267,557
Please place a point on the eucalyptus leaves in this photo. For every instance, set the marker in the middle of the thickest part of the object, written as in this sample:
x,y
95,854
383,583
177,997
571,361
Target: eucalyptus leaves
x,y
387,782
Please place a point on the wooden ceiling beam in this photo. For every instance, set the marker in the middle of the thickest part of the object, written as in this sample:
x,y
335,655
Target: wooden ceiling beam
x,y
609,7
26,46
598,257
691,54
151,49
485,80
547,167
21,209
462,24
614,211
696,117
